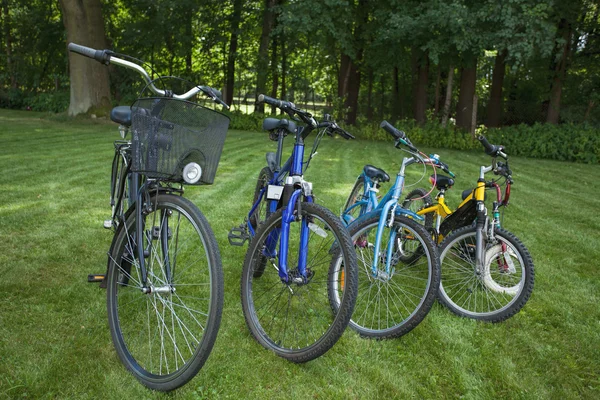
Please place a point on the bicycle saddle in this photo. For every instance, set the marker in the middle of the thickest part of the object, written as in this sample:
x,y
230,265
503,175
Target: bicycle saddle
x,y
121,115
376,173
270,124
442,182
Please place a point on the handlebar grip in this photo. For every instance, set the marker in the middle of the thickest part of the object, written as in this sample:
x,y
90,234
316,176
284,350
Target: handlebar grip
x,y
274,102
211,91
347,135
492,149
397,134
217,92
102,56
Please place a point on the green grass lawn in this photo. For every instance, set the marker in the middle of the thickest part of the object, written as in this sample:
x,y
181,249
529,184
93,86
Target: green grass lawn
x,y
54,338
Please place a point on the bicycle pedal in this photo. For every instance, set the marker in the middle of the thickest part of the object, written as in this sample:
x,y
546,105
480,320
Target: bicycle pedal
x,y
93,278
238,235
108,224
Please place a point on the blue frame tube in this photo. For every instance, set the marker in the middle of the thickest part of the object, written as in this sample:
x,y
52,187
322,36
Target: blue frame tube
x,y
286,219
303,251
394,193
297,157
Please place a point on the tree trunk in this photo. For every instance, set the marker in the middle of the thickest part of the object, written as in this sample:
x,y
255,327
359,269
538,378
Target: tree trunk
x,y
448,100
189,43
474,117
274,73
344,76
382,110
90,86
397,110
283,68
8,44
464,109
233,44
351,102
420,89
560,71
370,95
262,64
588,110
436,106
495,105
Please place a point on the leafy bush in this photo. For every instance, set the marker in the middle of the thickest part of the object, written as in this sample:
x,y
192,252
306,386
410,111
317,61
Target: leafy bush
x,y
245,122
565,142
53,102
45,101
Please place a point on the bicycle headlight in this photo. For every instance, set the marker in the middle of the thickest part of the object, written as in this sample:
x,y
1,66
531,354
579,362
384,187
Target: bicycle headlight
x,y
192,173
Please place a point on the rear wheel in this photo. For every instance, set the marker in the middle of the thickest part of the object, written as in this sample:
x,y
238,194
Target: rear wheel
x,y
493,294
262,211
164,335
357,194
417,200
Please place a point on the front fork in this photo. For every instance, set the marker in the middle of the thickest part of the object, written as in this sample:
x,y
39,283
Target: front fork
x,y
283,234
142,201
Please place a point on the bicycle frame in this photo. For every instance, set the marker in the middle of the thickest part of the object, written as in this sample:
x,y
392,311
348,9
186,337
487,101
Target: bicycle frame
x,y
442,211
388,205
289,198
484,230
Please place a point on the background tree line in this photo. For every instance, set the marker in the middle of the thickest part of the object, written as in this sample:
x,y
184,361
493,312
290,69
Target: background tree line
x,y
513,61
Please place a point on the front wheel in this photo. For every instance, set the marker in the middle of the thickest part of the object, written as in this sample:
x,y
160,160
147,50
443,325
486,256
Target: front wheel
x,y
164,335
294,318
496,292
392,303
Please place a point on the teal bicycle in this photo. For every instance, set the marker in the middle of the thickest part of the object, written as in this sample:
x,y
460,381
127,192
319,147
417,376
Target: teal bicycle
x,y
399,270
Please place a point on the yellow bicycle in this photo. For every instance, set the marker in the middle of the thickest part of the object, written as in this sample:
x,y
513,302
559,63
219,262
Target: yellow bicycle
x,y
487,272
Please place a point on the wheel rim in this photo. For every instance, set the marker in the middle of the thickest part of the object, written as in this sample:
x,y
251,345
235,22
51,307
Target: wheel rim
x,y
356,195
292,318
385,303
260,214
488,292
162,332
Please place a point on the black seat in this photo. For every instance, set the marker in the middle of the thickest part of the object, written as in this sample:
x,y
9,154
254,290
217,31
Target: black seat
x,y
121,115
376,173
442,182
270,124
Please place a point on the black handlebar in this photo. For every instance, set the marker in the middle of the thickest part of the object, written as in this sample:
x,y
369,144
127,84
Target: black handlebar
x,y
275,102
396,134
332,128
102,56
492,149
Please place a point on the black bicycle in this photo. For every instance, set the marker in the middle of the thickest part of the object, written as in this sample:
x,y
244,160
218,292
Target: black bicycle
x,y
164,276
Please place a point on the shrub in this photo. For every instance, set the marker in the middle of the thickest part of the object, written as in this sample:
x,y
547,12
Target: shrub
x,y
53,101
565,142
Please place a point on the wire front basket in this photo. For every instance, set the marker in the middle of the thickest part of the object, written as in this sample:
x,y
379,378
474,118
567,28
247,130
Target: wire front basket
x,y
168,134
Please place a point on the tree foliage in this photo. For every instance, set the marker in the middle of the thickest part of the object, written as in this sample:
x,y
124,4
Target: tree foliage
x,y
361,59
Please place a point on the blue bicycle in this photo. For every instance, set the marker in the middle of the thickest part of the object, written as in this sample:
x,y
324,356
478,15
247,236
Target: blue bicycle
x,y
399,271
299,278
